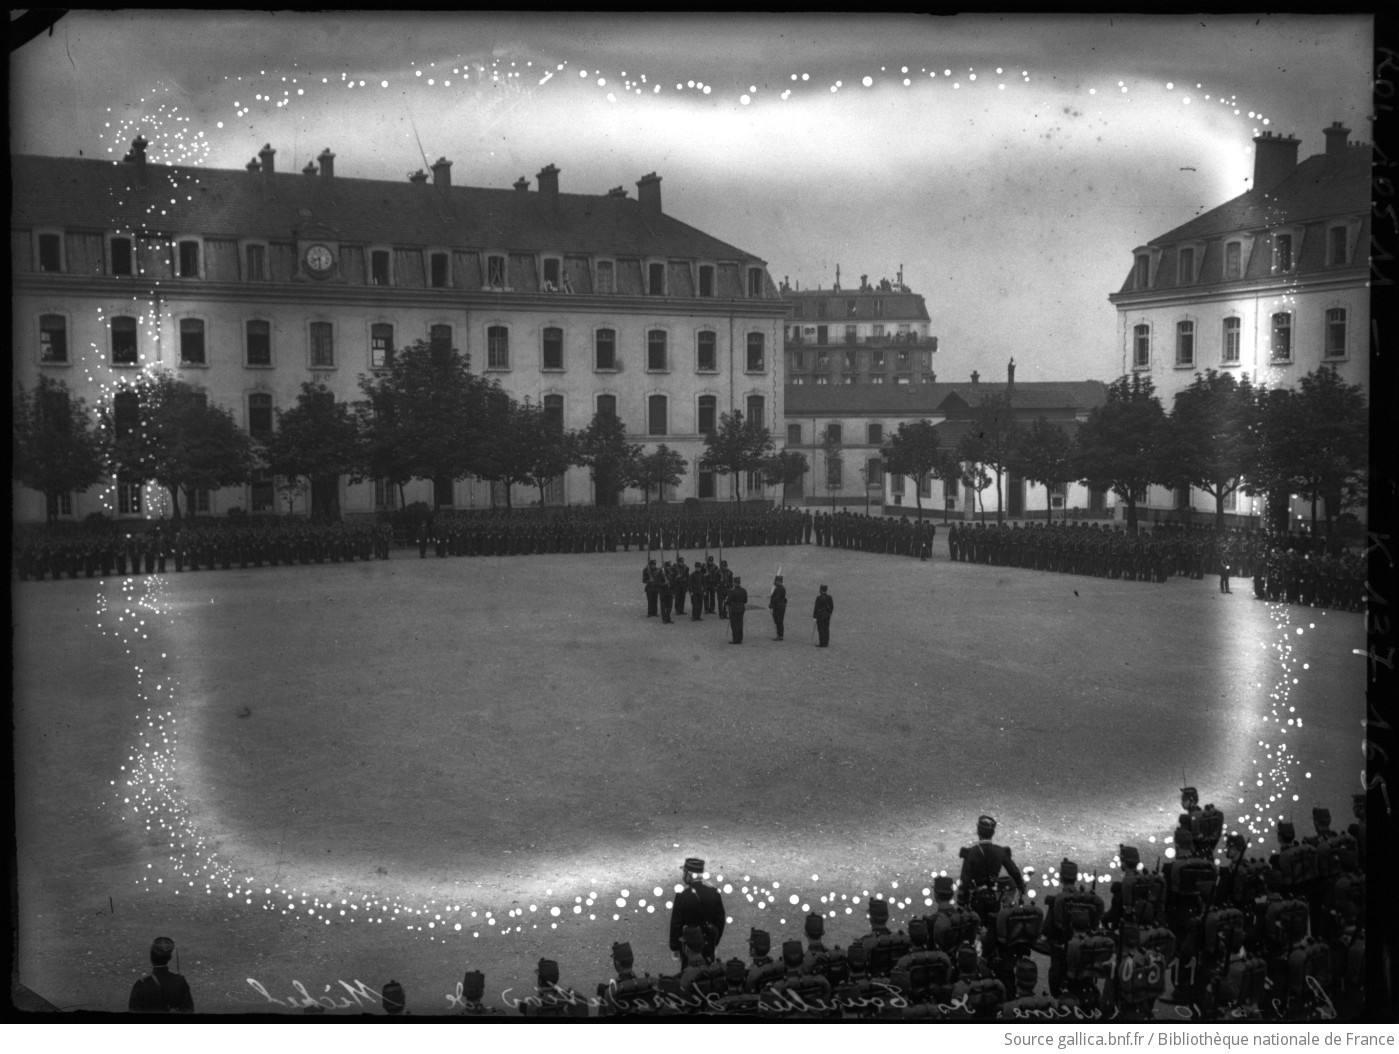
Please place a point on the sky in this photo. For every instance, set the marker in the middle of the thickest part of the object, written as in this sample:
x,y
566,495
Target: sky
x,y
1008,164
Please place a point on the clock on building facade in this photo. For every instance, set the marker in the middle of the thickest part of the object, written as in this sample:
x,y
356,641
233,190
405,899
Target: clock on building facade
x,y
320,261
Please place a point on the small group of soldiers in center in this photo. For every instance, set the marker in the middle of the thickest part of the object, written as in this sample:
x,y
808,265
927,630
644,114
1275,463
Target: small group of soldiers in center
x,y
714,589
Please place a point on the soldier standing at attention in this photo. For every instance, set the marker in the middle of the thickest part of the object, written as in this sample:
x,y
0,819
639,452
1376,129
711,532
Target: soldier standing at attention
x,y
649,579
825,606
696,905
737,605
666,585
981,865
778,602
696,592
161,991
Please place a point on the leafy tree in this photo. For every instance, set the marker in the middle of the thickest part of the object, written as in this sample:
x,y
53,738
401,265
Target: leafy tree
x,y
975,476
737,446
424,417
1329,448
1205,438
785,468
915,450
315,443
549,449
56,450
180,441
604,449
509,430
992,441
1268,455
661,468
1045,456
1118,447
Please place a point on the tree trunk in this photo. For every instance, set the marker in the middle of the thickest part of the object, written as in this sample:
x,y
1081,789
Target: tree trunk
x,y
1313,514
1048,505
918,500
1131,502
1219,511
541,496
50,508
998,497
175,502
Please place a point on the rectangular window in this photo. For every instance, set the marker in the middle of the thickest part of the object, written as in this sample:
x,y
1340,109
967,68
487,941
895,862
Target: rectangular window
x,y
497,348
655,279
756,356
1233,261
189,259
833,434
379,267
260,415
876,378
1336,241
53,338
757,410
553,268
851,335
1231,501
820,309
797,360
553,412
879,308
896,487
380,345
1282,252
656,350
706,483
708,410
1185,343
1143,271
126,412
1282,336
121,255
707,351
259,342
876,435
755,281
607,406
851,307
191,342
949,491
383,493
322,345
1336,333
61,504
257,263
553,348
833,472
925,486
1185,267
850,360
128,498
821,378
874,473
1141,346
656,415
902,378
495,272
440,335
50,253
706,280
794,435
439,270
606,277
261,495
877,359
1232,330
605,349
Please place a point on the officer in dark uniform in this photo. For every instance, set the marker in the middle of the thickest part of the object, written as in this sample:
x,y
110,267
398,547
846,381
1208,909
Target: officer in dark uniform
x,y
981,865
822,612
737,605
666,585
696,592
649,576
161,991
696,905
778,603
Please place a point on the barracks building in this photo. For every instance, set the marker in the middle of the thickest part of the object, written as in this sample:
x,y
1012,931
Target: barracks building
x,y
247,283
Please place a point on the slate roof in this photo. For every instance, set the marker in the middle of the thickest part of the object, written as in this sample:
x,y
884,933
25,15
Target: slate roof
x,y
895,306
933,400
81,193
1323,187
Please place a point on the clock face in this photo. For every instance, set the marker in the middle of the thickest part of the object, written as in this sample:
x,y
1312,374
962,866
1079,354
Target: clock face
x,y
319,260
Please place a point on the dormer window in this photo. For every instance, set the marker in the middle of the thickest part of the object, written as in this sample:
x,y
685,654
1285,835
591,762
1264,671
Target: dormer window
x,y
255,255
1337,242
706,280
50,253
1282,253
553,274
606,281
1233,261
440,270
495,271
1142,272
120,255
379,267
655,279
1185,266
755,281
851,306
189,258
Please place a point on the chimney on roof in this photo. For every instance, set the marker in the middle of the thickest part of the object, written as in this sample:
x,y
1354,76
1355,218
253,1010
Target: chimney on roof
x,y
864,283
253,165
1274,158
837,285
1336,138
617,192
548,177
521,185
417,177
327,160
137,156
976,377
648,193
310,169
1010,373
268,157
442,173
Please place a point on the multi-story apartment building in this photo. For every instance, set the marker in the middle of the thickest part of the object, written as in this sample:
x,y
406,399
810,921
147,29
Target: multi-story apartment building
x,y
247,283
1270,285
877,334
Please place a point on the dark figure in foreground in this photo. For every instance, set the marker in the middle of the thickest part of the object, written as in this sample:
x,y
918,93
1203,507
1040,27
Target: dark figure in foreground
x,y
822,612
778,602
737,605
696,905
161,991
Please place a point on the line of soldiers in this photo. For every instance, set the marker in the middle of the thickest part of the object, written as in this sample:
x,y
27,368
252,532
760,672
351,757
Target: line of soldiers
x,y
709,586
876,534
89,552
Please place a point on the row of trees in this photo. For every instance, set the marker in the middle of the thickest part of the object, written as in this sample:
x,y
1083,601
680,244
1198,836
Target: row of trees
x,y
426,416
1222,435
